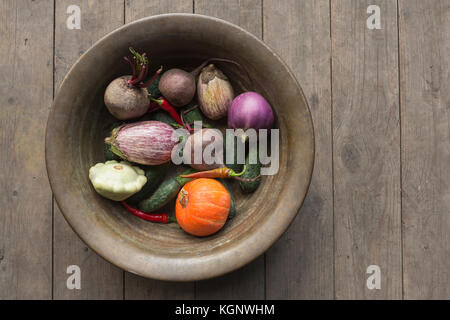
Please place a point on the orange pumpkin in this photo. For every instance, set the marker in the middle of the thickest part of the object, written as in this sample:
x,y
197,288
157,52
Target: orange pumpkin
x,y
202,207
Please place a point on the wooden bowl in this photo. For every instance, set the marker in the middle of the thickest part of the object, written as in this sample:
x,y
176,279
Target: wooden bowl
x,y
77,126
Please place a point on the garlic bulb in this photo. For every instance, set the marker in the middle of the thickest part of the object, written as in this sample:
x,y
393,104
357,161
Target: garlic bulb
x,y
214,92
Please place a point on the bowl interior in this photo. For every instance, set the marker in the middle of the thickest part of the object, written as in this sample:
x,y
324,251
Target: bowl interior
x,y
78,125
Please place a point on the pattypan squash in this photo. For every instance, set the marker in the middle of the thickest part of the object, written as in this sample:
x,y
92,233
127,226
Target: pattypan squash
x,y
117,180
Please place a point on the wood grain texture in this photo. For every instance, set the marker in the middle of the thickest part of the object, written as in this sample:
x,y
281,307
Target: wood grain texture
x,y
246,14
247,282
26,33
300,264
137,287
366,133
137,9
425,109
99,278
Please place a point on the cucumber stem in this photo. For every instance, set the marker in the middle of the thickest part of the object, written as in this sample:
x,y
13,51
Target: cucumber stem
x,y
234,174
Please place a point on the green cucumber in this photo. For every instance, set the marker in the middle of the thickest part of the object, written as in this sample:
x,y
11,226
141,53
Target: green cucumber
x,y
154,174
166,192
236,167
252,171
232,211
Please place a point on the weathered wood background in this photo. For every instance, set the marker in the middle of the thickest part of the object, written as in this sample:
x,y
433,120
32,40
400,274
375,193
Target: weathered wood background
x,y
380,193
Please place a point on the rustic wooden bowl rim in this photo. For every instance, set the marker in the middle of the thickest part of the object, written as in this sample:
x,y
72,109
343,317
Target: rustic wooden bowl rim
x,y
134,259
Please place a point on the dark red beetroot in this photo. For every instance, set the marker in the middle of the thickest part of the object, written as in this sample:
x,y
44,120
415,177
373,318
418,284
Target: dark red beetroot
x,y
126,96
178,86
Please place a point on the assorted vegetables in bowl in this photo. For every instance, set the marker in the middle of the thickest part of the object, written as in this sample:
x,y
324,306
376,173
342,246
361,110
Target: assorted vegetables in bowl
x,y
170,118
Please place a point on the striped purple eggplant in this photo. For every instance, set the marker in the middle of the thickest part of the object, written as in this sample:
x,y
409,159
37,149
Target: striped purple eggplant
x,y
145,142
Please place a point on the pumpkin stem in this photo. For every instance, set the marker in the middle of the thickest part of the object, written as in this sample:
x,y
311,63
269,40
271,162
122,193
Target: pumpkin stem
x,y
184,198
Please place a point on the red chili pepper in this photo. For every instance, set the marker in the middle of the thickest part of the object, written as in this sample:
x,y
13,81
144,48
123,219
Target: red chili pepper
x,y
156,217
167,107
222,172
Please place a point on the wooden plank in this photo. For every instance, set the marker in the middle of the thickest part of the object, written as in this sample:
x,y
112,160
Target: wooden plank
x,y
425,109
137,9
366,134
137,287
99,278
246,14
300,264
245,283
248,282
26,89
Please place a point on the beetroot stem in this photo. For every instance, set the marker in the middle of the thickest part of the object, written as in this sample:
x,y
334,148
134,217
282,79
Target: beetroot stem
x,y
133,68
190,109
183,113
140,76
139,67
185,123
145,72
149,82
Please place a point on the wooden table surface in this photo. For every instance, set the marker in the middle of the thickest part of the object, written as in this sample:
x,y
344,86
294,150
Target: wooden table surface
x,y
380,193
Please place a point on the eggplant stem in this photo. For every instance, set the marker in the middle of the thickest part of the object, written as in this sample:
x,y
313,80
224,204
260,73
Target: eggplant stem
x,y
196,71
116,151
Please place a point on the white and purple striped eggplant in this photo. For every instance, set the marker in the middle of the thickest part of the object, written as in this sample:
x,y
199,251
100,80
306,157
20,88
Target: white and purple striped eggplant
x,y
145,142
